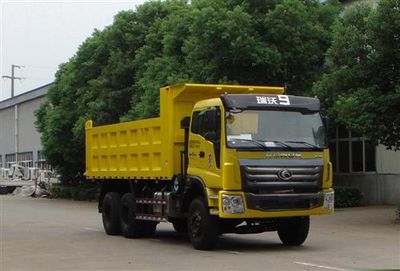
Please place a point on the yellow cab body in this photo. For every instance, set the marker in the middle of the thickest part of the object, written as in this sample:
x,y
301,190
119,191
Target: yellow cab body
x,y
225,177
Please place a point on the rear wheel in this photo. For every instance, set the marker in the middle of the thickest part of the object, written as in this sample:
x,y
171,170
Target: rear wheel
x,y
202,227
294,231
130,226
110,213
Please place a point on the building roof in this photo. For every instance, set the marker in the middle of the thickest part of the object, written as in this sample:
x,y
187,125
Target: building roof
x,y
25,97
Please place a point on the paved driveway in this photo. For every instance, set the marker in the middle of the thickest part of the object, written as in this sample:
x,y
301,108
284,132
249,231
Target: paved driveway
x,y
44,234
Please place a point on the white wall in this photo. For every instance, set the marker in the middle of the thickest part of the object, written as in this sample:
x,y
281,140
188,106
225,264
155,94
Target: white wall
x,y
387,161
381,187
7,132
29,138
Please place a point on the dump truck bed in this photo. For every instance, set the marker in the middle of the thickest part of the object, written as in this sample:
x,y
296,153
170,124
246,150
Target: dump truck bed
x,y
125,150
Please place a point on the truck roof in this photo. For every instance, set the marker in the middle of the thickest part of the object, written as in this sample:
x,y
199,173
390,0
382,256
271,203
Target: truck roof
x,y
271,101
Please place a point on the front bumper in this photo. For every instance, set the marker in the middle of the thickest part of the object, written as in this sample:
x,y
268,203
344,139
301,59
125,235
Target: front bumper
x,y
281,205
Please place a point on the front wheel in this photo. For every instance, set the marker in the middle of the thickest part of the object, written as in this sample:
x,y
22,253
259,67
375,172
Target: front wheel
x,y
203,228
294,231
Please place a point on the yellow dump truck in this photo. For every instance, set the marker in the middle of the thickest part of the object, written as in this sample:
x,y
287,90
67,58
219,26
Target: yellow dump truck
x,y
219,159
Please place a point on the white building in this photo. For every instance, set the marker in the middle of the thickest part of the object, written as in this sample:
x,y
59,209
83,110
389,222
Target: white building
x,y
19,139
374,170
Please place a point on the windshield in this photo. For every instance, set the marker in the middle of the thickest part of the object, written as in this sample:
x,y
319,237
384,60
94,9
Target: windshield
x,y
275,129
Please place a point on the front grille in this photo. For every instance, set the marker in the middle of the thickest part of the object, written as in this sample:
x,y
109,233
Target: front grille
x,y
266,174
269,178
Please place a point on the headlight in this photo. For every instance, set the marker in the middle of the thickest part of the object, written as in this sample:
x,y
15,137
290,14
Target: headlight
x,y
232,204
329,201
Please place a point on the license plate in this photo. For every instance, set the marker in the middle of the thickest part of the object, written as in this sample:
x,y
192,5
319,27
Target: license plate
x,y
329,201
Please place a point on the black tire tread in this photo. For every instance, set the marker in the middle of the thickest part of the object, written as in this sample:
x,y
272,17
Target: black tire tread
x,y
111,201
294,231
134,228
210,231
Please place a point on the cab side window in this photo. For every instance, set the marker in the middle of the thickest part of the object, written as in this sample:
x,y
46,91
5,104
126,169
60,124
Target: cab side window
x,y
207,123
196,123
204,122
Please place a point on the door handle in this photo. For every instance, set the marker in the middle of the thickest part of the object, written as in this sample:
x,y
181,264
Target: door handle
x,y
202,154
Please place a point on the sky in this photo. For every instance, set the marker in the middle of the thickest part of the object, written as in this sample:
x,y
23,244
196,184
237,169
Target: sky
x,y
40,35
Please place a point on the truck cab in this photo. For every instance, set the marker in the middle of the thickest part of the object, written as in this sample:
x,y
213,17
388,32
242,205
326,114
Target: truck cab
x,y
261,156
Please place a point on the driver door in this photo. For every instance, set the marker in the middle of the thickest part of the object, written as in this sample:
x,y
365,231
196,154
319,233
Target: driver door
x,y
204,146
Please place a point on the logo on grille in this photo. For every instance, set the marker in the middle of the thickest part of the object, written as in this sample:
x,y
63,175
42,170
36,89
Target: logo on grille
x,y
283,155
285,174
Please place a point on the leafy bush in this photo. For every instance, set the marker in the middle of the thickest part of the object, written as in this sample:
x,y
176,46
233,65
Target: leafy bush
x,y
346,196
77,192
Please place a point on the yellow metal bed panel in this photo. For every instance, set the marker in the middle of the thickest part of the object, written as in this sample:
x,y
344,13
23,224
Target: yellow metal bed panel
x,y
171,113
127,150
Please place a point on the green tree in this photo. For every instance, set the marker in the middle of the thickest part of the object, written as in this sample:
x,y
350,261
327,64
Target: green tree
x,y
116,73
237,41
361,88
96,83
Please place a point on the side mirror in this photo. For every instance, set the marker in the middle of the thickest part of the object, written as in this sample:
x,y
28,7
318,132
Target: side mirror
x,y
185,122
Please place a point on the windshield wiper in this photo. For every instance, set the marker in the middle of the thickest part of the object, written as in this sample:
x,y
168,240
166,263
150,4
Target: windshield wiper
x,y
258,143
281,143
263,143
315,147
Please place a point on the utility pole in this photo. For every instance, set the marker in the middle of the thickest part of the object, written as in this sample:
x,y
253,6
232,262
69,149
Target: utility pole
x,y
13,77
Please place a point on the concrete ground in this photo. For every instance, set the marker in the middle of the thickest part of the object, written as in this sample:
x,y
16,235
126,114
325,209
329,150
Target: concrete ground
x,y
44,234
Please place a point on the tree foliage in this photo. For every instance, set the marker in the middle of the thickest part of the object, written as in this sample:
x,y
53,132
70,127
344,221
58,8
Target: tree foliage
x,y
117,72
361,88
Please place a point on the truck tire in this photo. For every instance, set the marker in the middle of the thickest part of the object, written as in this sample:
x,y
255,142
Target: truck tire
x,y
203,228
294,231
180,225
130,227
110,213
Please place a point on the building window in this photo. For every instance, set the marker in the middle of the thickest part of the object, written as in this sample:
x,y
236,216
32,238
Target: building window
x,y
351,152
10,160
25,159
41,161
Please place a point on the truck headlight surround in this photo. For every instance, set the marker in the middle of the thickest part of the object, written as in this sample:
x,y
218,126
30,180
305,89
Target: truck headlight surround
x,y
232,204
329,201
